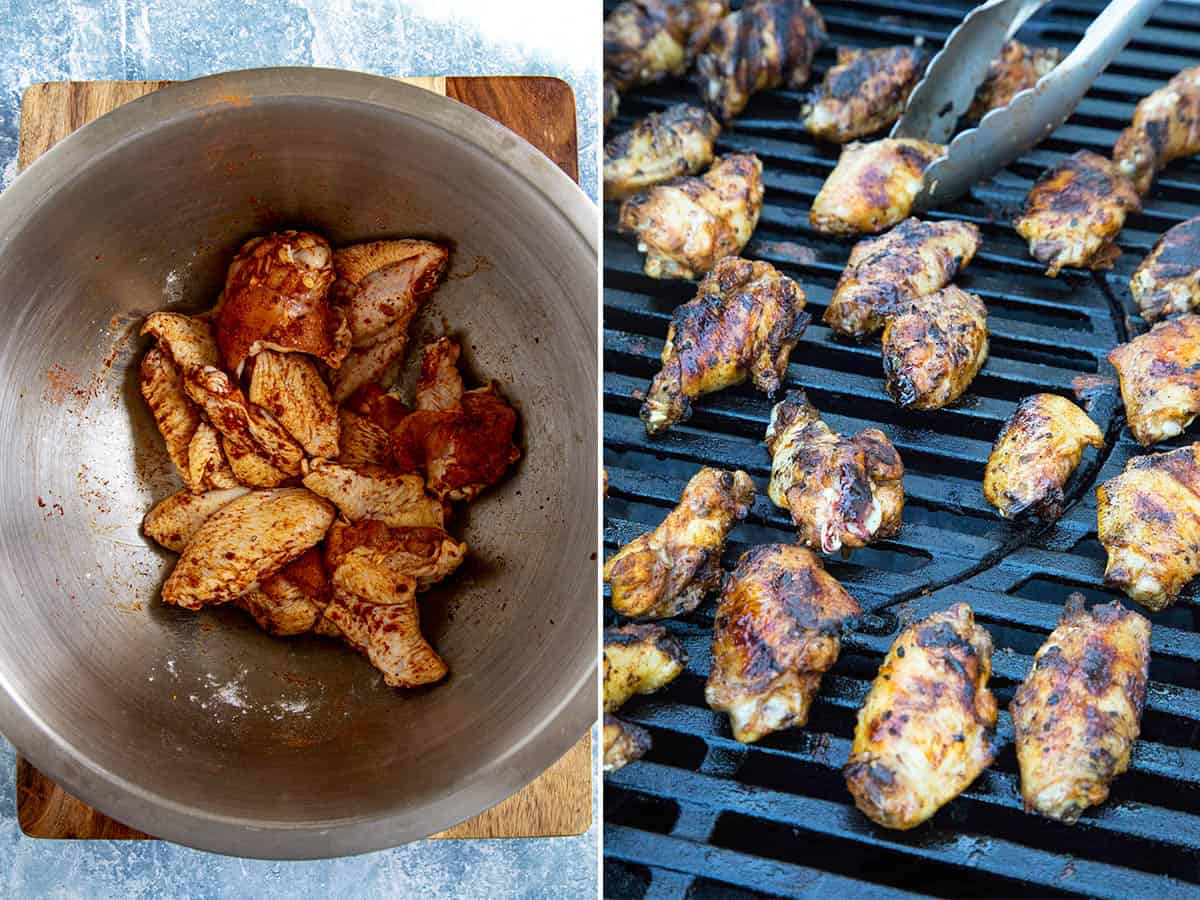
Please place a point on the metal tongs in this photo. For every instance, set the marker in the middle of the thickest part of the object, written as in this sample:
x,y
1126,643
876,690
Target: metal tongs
x,y
955,73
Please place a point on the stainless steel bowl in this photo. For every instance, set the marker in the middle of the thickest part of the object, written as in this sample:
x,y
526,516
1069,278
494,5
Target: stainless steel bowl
x,y
198,727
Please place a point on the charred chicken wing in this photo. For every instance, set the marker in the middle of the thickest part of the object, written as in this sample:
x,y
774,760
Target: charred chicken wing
x,y
1168,280
624,742
776,633
872,187
864,93
1160,379
1079,711
924,732
1166,126
639,659
1017,68
646,40
678,141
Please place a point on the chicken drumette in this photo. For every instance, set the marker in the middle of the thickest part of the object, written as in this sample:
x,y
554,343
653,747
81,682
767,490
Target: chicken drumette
x,y
1166,126
872,187
1016,68
743,323
646,40
776,633
841,492
676,142
638,659
1168,280
864,93
1160,379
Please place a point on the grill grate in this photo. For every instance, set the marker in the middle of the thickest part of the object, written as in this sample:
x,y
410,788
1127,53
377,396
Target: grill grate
x,y
703,816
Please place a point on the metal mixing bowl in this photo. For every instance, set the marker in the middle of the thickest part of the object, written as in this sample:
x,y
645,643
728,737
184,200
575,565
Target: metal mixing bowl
x,y
200,728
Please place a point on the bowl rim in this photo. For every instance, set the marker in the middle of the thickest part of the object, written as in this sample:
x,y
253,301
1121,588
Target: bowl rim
x,y
495,780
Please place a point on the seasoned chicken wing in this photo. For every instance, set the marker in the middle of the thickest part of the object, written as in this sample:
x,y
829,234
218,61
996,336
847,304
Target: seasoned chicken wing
x,y
288,386
864,93
245,541
639,659
624,742
1168,280
1160,379
1166,126
1148,520
924,732
686,225
934,348
1075,211
913,259
371,492
1038,448
776,633
872,187
423,554
764,45
667,572
743,323
293,599
841,492
172,522
1017,68
251,466
678,141
187,339
1078,713
361,441
647,40
176,416
207,466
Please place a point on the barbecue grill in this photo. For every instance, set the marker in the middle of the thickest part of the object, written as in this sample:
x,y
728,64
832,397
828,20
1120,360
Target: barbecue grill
x,y
703,816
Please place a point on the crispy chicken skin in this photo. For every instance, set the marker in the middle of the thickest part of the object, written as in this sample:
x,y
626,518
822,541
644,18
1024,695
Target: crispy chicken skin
x,y
1148,520
841,492
666,572
864,93
1168,280
912,260
743,323
1078,712
292,600
176,416
776,633
1160,380
207,466
686,225
647,40
1075,211
624,742
766,44
678,141
1038,448
1016,68
639,659
172,522
934,348
1166,126
290,387
372,492
924,732
872,187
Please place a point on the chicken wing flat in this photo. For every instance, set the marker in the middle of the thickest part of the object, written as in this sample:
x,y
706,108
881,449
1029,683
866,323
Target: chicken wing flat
x,y
1075,211
639,659
1160,379
864,93
361,441
207,466
176,416
764,45
1078,713
647,40
924,732
686,225
624,742
291,601
1039,447
1148,520
289,387
187,339
678,141
1017,68
174,521
1168,280
743,323
912,260
371,492
872,187
776,634
841,492
424,555
934,348
1166,126
667,572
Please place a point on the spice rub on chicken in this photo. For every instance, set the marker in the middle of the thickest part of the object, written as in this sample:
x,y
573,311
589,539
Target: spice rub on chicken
x,y
1159,372
873,186
864,93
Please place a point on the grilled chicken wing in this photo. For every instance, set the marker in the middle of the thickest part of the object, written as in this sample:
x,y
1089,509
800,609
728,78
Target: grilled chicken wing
x,y
924,732
678,141
293,599
612,100
913,259
176,416
667,572
647,40
174,521
624,742
743,323
289,387
685,225
841,492
864,93
1037,450
1075,211
1016,68
934,348
244,542
207,466
1166,126
1168,280
872,187
639,659
1160,379
371,492
776,633
1079,711
1148,520
766,44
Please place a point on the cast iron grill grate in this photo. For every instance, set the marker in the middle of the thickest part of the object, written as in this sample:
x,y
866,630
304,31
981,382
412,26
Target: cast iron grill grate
x,y
703,816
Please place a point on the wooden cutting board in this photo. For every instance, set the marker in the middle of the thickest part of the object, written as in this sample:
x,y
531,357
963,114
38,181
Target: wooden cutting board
x,y
541,110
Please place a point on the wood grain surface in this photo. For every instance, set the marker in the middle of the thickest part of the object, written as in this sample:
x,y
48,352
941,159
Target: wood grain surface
x,y
541,110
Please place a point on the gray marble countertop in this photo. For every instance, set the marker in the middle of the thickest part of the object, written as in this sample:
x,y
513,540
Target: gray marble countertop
x,y
59,40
